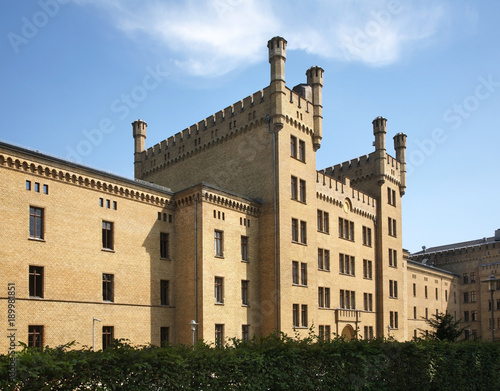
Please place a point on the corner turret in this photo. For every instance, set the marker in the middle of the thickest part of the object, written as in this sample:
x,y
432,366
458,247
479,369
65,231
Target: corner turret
x,y
139,134
380,130
400,147
315,80
277,58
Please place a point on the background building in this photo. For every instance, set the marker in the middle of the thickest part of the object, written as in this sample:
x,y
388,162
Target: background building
x,y
228,223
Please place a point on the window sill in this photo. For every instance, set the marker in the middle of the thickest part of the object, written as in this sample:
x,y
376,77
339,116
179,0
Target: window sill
x,y
325,308
216,303
393,297
300,285
367,245
245,261
36,297
300,327
324,232
300,243
219,256
348,275
108,250
324,270
367,278
164,259
37,239
108,301
394,267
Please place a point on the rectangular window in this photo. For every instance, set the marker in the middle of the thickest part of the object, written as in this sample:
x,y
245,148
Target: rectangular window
x,y
108,287
45,189
36,222
165,292
295,315
36,281
295,230
35,336
245,332
466,316
323,221
218,243
346,264
323,259
367,236
295,272
244,292
393,320
107,235
368,332
414,312
367,269
425,291
302,151
244,248
392,227
393,258
164,245
303,273
393,289
294,188
391,197
28,185
164,336
108,204
303,315
446,295
436,293
346,229
473,315
472,277
466,278
303,232
302,193
293,146
323,297
414,290
219,290
368,302
107,336
466,297
37,187
347,299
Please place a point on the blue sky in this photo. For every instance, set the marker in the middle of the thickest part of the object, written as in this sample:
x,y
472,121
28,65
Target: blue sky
x,y
75,73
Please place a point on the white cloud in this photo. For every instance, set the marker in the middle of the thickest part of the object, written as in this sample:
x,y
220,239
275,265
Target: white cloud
x,y
213,37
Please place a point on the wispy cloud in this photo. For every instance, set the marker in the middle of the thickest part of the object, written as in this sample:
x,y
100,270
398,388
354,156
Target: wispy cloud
x,y
210,38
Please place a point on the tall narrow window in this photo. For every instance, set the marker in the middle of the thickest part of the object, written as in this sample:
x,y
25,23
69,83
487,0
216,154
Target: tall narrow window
x,y
165,292
164,245
244,248
218,243
219,335
303,315
164,336
108,333
393,258
320,220
294,188
302,151
321,261
245,332
45,189
327,260
303,273
35,336
107,287
244,292
219,290
107,235
36,222
367,269
321,297
28,185
295,230
302,193
393,320
295,315
293,146
327,297
295,272
367,236
303,232
36,281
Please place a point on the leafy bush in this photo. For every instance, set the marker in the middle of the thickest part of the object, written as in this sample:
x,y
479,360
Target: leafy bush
x,y
269,363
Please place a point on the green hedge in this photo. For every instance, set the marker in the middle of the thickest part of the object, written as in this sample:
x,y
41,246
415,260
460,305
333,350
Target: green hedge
x,y
271,363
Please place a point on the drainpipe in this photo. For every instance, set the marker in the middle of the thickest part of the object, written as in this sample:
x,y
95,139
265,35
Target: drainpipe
x,y
196,263
276,279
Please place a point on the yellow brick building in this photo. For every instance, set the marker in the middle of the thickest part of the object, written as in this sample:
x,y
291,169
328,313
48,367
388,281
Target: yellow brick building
x,y
228,224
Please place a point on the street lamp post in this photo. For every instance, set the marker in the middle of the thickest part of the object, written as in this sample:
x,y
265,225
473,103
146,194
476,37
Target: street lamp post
x,y
492,280
193,328
93,332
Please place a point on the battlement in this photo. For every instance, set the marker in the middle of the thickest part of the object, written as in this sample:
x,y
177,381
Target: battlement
x,y
337,192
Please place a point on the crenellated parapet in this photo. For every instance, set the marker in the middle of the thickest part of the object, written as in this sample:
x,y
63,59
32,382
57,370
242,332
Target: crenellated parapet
x,y
340,192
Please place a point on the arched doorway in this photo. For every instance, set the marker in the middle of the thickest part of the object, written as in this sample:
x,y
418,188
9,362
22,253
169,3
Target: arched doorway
x,y
348,332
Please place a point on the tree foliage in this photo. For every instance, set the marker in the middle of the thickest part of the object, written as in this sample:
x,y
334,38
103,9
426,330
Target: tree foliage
x,y
444,327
